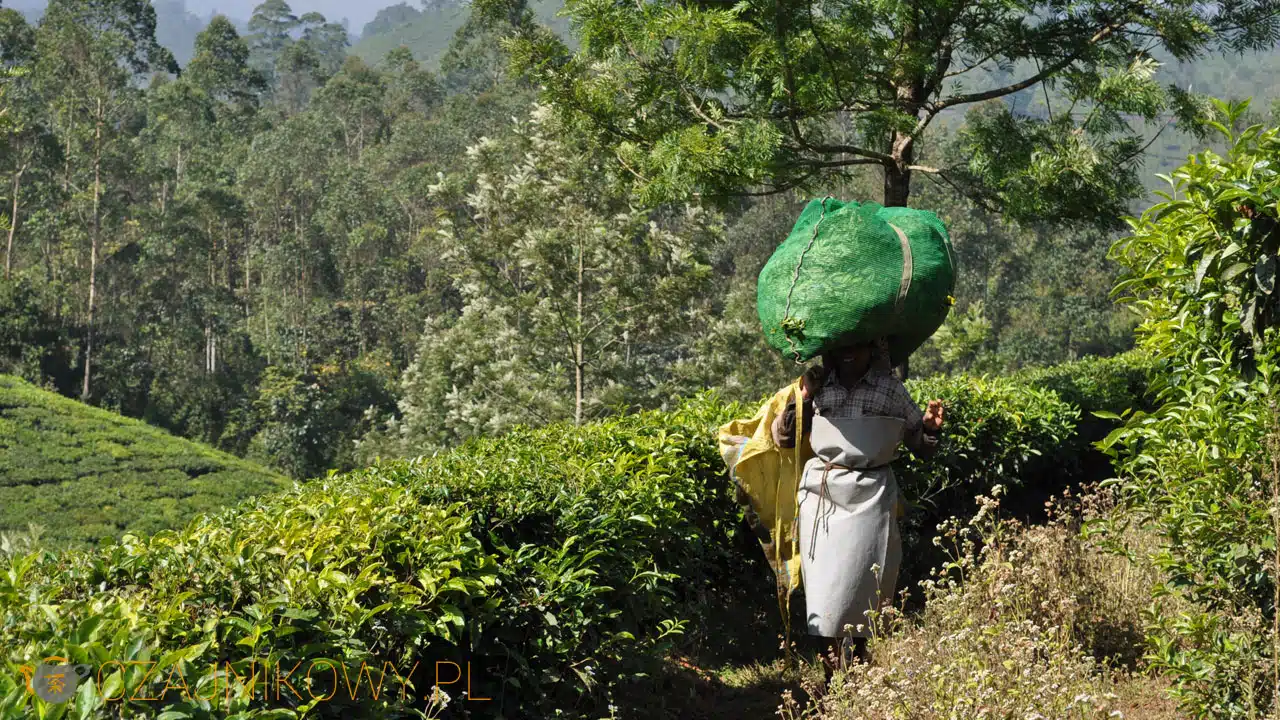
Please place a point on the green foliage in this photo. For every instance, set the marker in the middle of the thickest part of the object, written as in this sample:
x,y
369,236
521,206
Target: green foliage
x,y
547,558
86,474
1211,248
238,230
718,99
1200,468
220,65
1109,385
1044,291
962,336
1029,433
573,300
305,421
559,561
32,344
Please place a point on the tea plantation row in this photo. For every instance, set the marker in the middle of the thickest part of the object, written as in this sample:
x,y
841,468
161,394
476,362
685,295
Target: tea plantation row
x,y
85,474
538,569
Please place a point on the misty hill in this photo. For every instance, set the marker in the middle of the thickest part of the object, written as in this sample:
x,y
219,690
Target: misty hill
x,y
427,32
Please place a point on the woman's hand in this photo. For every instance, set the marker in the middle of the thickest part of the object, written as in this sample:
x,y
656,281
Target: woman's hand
x,y
810,381
933,416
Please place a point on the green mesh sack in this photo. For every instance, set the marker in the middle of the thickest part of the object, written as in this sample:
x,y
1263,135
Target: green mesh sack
x,y
851,272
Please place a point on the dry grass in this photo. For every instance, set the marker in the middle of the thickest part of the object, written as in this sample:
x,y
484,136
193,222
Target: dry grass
x,y
1023,622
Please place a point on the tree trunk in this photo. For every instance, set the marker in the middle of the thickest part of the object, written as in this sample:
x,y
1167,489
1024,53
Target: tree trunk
x,y
96,232
248,291
897,185
66,171
13,223
897,191
897,175
577,350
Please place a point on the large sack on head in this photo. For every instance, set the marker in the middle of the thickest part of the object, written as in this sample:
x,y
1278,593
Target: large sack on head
x,y
851,272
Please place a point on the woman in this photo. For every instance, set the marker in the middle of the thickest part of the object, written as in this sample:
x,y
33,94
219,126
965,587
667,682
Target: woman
x,y
856,412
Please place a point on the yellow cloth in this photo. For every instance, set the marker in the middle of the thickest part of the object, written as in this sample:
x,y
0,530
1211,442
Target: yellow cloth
x,y
769,477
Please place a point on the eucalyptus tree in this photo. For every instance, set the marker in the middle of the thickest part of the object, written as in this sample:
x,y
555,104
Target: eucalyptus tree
x,y
270,32
26,141
89,54
328,39
221,65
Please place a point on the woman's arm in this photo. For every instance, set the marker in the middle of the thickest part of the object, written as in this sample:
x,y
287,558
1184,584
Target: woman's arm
x,y
924,430
784,426
922,443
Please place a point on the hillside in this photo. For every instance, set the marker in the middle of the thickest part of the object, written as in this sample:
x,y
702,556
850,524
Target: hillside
x,y
85,474
428,32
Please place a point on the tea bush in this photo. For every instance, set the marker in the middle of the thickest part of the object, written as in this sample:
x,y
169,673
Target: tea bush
x,y
1200,468
1031,432
85,474
1109,385
556,561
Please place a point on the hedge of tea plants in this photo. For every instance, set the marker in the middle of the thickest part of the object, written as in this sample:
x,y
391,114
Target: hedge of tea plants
x,y
85,474
533,572
1203,470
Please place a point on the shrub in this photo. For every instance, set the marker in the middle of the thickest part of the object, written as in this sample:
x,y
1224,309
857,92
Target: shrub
x,y
85,474
308,422
558,561
1201,271
555,561
34,345
1030,432
1110,385
1199,469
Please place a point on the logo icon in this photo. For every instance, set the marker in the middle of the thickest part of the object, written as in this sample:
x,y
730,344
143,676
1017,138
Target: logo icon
x,y
55,683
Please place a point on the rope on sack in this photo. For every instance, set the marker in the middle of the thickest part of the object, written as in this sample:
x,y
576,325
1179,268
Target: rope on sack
x,y
907,271
795,278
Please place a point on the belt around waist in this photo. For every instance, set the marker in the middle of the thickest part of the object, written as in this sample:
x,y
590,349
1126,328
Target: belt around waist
x,y
829,466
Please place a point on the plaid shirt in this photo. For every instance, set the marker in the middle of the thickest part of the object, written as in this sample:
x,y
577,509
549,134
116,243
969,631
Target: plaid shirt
x,y
878,393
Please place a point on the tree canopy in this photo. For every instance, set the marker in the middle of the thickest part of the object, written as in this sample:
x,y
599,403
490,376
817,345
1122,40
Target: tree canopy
x,y
758,96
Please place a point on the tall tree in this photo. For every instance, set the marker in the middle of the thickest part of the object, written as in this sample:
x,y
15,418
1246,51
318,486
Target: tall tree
x,y
90,51
26,141
221,66
410,87
270,32
328,39
712,98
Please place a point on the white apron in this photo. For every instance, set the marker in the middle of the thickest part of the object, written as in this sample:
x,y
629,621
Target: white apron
x,y
850,525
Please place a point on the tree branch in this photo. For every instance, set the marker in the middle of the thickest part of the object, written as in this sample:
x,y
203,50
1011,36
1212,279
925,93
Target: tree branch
x,y
977,199
826,54
1024,84
697,110
875,156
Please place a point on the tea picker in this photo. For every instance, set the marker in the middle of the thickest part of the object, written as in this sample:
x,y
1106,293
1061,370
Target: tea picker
x,y
861,287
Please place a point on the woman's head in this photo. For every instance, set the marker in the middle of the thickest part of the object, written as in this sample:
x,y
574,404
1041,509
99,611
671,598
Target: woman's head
x,y
856,354
859,356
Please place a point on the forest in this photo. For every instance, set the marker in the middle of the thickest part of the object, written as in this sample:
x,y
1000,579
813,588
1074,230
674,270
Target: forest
x,y
251,252
283,305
